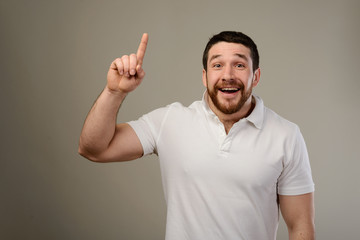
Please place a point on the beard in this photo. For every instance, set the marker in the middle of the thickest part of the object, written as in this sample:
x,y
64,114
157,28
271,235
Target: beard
x,y
229,108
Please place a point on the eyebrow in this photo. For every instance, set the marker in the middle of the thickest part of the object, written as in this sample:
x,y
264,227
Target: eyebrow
x,y
236,54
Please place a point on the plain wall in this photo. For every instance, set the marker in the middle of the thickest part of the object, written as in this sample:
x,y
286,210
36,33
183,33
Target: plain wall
x,y
54,56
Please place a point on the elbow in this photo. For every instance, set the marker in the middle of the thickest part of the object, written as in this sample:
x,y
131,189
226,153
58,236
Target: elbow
x,y
84,152
302,231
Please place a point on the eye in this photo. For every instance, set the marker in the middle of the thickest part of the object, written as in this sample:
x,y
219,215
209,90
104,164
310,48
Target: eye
x,y
240,65
216,65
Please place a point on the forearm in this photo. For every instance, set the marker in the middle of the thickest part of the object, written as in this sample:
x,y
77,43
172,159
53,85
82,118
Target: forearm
x,y
99,126
101,137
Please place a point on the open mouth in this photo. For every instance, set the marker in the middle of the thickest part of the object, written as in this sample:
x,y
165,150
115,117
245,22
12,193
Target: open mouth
x,y
229,90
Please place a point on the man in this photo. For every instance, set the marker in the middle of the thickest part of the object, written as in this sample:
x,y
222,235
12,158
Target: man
x,y
227,162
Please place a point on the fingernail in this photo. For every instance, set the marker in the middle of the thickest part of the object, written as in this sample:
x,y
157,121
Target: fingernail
x,y
132,72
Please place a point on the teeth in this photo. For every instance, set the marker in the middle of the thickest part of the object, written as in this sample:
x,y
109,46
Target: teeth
x,y
229,89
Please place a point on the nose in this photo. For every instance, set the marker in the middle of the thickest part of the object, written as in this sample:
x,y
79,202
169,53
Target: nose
x,y
227,73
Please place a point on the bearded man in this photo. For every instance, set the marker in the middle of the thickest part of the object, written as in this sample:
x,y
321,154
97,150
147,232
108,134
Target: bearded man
x,y
228,163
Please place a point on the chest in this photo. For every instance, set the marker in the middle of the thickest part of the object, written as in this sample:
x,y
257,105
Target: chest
x,y
198,152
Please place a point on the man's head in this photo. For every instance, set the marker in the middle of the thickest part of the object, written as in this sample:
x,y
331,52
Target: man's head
x,y
231,71
233,37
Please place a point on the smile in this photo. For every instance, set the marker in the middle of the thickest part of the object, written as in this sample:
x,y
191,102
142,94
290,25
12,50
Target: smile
x,y
229,90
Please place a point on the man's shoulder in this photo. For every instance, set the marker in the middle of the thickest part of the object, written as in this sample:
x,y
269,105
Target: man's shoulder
x,y
267,118
176,108
277,122
193,109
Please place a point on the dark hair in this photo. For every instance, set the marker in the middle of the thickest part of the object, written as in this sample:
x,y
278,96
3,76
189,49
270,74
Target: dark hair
x,y
233,37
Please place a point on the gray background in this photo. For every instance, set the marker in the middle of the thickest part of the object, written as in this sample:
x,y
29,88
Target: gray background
x,y
54,56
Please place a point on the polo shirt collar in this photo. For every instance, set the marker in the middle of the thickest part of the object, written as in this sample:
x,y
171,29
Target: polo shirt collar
x,y
258,113
256,117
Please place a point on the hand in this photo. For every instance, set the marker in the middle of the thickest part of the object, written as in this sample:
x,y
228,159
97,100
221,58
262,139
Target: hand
x,y
125,74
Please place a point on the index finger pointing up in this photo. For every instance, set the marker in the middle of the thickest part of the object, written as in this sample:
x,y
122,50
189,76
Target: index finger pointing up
x,y
142,48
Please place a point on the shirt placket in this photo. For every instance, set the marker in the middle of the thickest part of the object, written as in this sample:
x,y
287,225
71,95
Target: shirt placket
x,y
224,140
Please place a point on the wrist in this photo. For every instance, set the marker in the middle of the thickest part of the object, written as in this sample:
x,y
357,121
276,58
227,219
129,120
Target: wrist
x,y
117,94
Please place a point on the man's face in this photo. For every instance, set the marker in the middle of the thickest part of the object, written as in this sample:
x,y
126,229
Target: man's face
x,y
229,78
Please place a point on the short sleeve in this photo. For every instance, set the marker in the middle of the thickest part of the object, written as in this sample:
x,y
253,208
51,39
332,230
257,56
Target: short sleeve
x,y
148,128
296,177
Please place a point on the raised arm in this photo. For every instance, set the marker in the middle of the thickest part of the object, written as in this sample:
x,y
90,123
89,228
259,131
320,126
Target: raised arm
x,y
101,139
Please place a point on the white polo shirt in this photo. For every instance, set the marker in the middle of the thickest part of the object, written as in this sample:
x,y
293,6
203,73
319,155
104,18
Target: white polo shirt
x,y
220,186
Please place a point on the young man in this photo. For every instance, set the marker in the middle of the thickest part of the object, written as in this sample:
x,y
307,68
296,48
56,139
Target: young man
x,y
228,162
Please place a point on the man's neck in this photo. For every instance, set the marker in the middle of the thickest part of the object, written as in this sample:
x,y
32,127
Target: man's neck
x,y
229,119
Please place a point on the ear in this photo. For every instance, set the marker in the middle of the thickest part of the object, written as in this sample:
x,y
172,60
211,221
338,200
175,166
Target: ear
x,y
204,78
256,77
